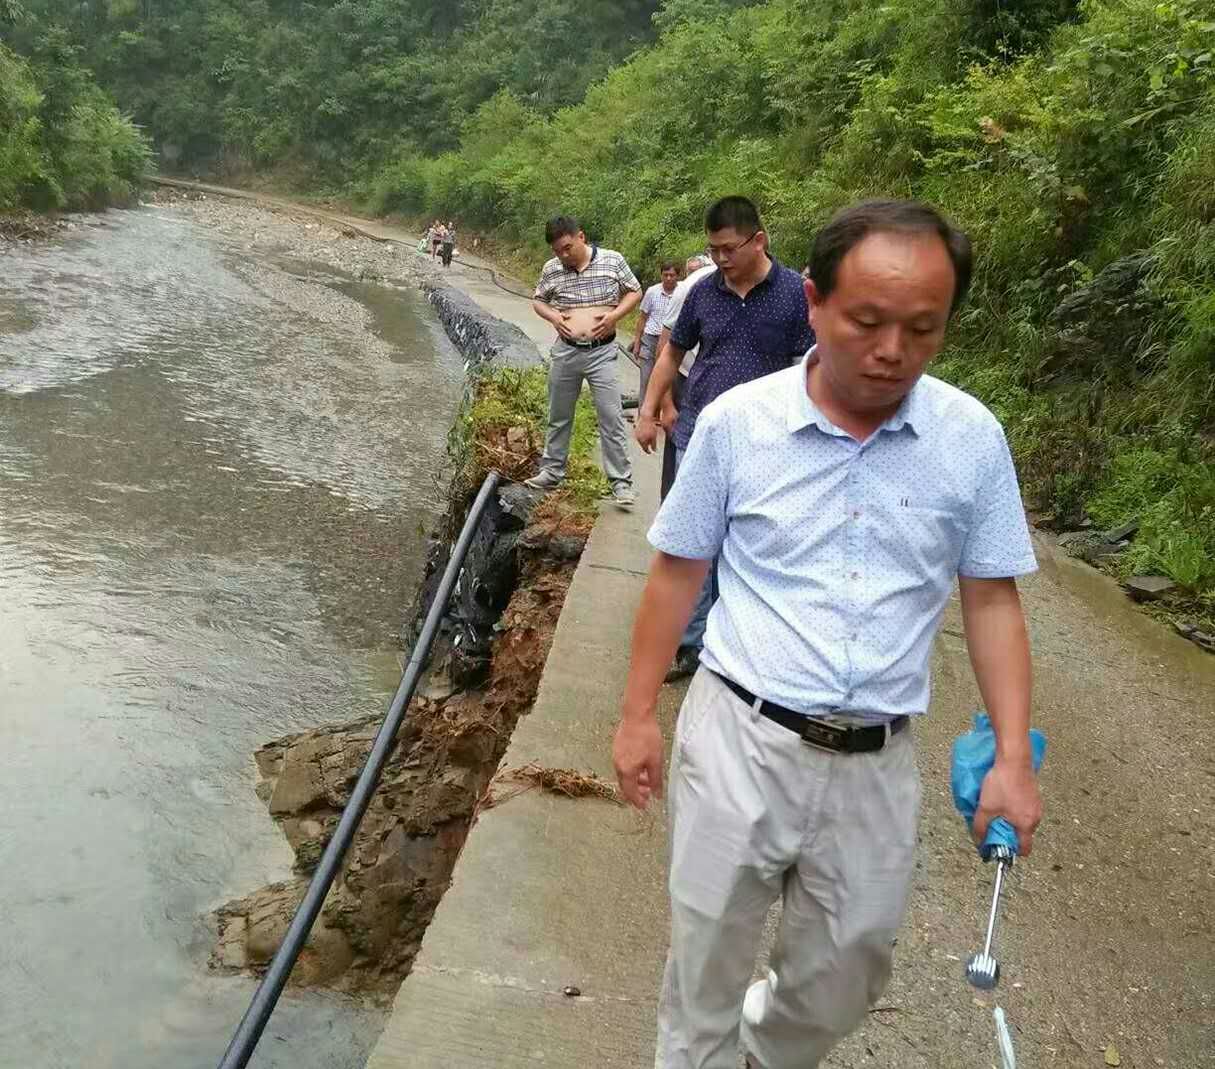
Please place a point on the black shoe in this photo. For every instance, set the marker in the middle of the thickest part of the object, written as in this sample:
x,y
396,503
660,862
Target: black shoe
x,y
687,660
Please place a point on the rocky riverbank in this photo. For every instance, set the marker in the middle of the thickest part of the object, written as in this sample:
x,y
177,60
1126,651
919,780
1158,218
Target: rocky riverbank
x,y
484,675
24,228
484,669
294,234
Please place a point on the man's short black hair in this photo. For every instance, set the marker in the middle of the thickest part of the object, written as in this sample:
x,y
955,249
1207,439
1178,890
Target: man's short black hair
x,y
670,265
737,212
849,227
560,225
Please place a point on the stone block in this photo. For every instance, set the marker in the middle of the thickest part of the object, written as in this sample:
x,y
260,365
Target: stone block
x,y
300,786
1120,534
1149,587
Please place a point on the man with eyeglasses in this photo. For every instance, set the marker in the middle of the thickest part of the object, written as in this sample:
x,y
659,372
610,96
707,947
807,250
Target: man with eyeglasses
x,y
750,318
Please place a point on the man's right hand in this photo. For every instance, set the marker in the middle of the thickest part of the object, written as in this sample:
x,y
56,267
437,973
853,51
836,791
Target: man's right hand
x,y
637,755
646,432
563,326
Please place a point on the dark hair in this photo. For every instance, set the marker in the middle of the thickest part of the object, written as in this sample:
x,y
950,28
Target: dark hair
x,y
849,227
736,212
560,225
670,265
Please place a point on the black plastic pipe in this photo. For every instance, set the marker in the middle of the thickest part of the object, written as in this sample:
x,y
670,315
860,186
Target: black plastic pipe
x,y
244,1042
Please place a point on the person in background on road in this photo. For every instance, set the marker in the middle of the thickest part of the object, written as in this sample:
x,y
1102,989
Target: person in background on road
x,y
584,291
650,319
844,495
749,319
695,269
448,245
436,238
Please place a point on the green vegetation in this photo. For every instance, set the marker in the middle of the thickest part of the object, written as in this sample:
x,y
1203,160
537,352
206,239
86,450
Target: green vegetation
x,y
1065,138
63,143
1074,139
502,428
335,86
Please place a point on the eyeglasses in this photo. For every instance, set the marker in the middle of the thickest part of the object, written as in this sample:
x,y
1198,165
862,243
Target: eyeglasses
x,y
722,252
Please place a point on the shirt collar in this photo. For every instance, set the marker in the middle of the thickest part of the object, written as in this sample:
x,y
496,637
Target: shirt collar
x,y
802,412
719,280
574,270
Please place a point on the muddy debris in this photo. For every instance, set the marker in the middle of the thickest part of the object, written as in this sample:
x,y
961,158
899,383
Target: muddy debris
x,y
567,782
401,860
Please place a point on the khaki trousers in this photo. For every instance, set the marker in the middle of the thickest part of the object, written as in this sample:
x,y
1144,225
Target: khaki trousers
x,y
757,814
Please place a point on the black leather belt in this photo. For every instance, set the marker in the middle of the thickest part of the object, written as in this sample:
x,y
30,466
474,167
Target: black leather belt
x,y
591,343
834,737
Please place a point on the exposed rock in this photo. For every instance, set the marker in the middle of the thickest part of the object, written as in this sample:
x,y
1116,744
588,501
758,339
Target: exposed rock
x,y
1075,539
1105,549
540,538
1201,638
494,636
299,786
1103,324
400,862
1091,548
1123,533
1149,587
517,502
566,547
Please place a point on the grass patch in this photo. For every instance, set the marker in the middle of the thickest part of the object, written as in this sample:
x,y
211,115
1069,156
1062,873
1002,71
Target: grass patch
x,y
501,428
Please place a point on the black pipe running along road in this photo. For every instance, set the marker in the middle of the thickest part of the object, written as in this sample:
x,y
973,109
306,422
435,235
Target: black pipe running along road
x,y
240,1050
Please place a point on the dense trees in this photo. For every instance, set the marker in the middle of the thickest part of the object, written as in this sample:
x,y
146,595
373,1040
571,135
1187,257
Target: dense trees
x,y
63,143
1075,139
333,84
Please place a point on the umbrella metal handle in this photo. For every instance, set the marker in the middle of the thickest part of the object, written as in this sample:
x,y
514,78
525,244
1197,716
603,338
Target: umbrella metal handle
x,y
982,970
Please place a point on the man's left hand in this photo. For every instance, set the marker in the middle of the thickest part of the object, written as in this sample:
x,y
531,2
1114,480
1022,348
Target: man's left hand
x,y
669,415
1010,790
604,325
645,430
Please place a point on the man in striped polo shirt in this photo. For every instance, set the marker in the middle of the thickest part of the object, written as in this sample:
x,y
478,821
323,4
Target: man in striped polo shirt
x,y
584,291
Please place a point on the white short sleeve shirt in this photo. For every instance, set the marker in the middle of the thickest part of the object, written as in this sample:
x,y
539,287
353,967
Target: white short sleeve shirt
x,y
837,557
675,306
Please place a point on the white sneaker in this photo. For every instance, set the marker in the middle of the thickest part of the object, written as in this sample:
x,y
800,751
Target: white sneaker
x,y
624,495
544,480
755,1002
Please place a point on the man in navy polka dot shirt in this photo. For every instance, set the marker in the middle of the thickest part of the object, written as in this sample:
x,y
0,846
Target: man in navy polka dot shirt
x,y
844,497
749,318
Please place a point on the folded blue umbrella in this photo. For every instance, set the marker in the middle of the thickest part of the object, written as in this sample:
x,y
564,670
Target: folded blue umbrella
x,y
973,755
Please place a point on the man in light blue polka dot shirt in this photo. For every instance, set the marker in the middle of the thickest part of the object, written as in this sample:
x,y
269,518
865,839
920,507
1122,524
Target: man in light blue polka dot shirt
x,y
843,497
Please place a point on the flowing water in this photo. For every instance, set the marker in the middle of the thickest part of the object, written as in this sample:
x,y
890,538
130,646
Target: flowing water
x,y
216,469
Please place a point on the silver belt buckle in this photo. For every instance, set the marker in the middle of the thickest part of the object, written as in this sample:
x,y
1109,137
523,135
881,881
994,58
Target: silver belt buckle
x,y
819,734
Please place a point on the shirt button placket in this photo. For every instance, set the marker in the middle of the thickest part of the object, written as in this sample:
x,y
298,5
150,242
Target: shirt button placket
x,y
854,540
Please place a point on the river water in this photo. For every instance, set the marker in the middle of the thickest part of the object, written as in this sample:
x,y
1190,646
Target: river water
x,y
216,470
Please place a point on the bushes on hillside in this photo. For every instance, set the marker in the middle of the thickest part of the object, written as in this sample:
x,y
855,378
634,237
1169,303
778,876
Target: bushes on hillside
x,y
1065,137
21,166
63,144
